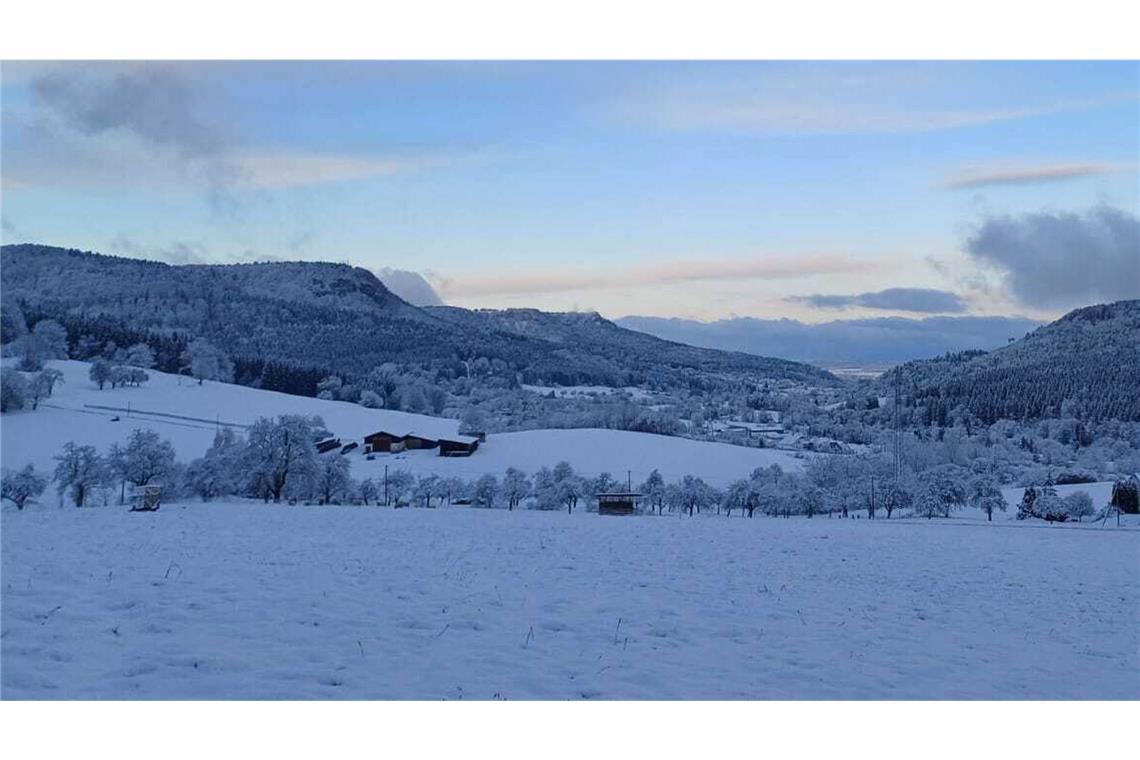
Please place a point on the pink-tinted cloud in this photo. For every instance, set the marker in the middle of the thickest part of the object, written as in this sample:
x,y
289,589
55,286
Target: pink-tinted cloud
x,y
659,273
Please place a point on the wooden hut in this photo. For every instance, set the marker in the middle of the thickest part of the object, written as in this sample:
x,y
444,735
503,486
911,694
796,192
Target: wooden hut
x,y
380,441
458,446
624,503
414,441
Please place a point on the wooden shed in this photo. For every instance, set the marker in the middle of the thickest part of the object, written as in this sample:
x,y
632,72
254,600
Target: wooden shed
x,y
381,441
624,503
414,441
458,446
327,445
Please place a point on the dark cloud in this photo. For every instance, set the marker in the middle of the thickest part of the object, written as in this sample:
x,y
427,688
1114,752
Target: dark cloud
x,y
883,340
1064,259
156,104
410,286
916,300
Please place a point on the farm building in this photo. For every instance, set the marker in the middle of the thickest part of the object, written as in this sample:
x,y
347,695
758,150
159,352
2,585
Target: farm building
x,y
386,441
458,446
617,503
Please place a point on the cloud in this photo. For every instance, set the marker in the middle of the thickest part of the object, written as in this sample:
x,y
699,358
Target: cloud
x,y
410,286
1063,259
1033,175
917,300
156,125
658,273
178,252
154,103
818,99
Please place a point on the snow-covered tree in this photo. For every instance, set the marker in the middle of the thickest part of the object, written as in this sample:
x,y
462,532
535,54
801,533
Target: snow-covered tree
x,y
329,388
568,486
101,372
79,470
139,355
426,488
13,390
368,490
1079,505
144,459
218,473
41,385
47,340
986,495
206,362
279,453
371,400
22,486
13,324
485,490
516,486
653,491
333,480
941,489
398,488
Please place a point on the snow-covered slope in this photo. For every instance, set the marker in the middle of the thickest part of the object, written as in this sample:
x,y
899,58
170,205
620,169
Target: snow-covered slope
x,y
188,414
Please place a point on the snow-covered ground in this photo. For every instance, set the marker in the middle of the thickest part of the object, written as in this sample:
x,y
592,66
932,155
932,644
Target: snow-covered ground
x,y
243,600
188,415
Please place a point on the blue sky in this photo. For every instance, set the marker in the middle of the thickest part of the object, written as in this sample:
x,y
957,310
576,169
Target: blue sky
x,y
675,189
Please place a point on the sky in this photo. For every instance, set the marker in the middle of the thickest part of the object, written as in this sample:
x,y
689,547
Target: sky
x,y
812,191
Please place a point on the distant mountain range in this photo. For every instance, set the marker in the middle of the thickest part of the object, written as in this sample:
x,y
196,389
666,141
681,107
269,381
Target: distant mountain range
x,y
1084,365
343,319
861,342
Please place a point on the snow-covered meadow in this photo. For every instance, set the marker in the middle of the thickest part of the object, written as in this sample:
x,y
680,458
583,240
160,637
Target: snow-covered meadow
x,y
242,600
188,415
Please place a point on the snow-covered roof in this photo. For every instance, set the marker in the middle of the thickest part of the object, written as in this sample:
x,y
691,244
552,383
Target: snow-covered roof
x,y
466,439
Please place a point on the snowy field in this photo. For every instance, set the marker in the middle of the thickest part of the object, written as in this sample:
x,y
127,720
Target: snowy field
x,y
188,414
249,601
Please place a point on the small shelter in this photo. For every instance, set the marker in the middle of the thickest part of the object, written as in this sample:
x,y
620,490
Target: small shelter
x,y
624,503
146,498
327,445
1126,495
458,446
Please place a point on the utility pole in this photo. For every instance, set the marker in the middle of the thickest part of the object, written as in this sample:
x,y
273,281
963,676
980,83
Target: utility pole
x,y
629,481
386,486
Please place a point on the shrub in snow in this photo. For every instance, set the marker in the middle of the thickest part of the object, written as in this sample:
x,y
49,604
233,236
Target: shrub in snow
x,y
13,390
22,486
79,470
